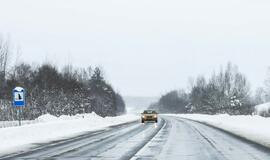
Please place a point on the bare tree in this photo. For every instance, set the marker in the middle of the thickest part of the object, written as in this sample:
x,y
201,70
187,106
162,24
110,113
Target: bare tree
x,y
5,52
267,86
259,97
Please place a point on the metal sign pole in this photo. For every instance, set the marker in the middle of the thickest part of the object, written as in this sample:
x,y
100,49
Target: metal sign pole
x,y
19,115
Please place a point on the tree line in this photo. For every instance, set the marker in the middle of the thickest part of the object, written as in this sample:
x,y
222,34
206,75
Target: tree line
x,y
58,92
227,91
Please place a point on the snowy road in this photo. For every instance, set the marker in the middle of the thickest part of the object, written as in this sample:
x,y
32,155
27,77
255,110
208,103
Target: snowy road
x,y
172,138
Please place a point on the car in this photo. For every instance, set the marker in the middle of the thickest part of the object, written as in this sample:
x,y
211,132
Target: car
x,y
149,115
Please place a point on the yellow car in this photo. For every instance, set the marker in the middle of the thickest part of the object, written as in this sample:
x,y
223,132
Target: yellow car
x,y
149,115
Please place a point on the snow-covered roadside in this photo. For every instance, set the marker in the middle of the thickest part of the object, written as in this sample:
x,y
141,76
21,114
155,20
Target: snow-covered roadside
x,y
50,128
254,128
262,109
4,124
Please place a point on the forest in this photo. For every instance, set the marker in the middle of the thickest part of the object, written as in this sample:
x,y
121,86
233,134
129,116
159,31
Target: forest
x,y
66,91
225,92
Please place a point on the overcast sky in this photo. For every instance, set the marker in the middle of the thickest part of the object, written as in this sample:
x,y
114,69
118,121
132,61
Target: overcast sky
x,y
146,47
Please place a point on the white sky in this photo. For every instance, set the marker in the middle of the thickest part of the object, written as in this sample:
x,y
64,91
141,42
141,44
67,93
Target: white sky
x,y
146,47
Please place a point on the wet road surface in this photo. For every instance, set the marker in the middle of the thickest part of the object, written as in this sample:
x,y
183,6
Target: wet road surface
x,y
171,138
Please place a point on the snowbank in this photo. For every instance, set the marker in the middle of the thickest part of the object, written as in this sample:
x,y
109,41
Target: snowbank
x,y
46,118
50,128
263,109
254,128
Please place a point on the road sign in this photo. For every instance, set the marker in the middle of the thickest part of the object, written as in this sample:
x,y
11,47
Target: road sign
x,y
18,97
19,101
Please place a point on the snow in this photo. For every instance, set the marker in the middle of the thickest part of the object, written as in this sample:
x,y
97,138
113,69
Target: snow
x,y
46,118
49,128
262,109
4,124
19,89
253,128
135,105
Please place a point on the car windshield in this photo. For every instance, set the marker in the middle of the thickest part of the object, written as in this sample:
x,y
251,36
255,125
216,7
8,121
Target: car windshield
x,y
149,112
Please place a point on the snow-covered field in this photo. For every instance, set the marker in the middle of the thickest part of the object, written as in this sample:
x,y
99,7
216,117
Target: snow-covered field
x,y
136,105
49,128
254,128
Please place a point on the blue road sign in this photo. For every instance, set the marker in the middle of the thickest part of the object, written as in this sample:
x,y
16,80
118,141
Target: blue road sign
x,y
18,97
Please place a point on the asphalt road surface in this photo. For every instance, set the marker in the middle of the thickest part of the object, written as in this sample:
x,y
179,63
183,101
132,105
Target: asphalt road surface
x,y
171,138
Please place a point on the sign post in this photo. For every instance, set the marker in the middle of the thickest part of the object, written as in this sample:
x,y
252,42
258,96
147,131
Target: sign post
x,y
19,101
